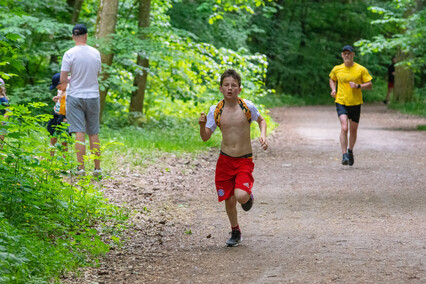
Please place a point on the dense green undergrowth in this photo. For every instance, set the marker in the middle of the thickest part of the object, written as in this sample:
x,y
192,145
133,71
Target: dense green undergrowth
x,y
50,223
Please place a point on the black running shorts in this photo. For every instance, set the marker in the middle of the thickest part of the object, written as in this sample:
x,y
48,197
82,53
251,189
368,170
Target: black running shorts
x,y
353,112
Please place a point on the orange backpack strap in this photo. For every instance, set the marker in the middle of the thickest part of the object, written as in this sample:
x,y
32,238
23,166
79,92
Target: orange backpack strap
x,y
218,112
219,108
245,109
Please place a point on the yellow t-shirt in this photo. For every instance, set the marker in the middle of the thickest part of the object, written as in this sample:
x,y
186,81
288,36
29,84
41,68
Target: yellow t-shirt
x,y
343,75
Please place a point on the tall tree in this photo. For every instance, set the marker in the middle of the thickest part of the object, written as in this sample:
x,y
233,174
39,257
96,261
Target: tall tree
x,y
404,33
75,5
105,27
138,95
404,77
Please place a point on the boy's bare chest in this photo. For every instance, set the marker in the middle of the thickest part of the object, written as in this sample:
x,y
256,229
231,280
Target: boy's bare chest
x,y
233,117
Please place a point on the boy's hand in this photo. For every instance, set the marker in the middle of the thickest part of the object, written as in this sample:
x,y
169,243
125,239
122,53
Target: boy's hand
x,y
263,143
55,99
203,119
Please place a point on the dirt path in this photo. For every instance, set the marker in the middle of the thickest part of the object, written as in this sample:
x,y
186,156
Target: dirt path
x,y
314,221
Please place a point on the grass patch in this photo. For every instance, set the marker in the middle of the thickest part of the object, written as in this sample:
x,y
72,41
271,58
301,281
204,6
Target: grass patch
x,y
139,146
415,107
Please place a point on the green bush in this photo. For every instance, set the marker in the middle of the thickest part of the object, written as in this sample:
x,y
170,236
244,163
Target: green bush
x,y
48,223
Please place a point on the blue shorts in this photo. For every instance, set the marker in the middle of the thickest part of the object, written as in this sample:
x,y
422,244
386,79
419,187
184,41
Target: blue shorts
x,y
353,112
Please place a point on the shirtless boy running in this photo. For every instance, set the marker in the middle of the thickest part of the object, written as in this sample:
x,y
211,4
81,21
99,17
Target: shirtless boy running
x,y
234,179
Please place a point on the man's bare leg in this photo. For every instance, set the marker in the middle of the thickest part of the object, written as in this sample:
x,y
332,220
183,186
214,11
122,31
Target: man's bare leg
x,y
80,148
353,133
95,148
343,132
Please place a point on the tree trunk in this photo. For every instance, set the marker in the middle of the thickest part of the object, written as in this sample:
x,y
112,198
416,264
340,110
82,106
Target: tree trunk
x,y
137,99
105,26
76,8
404,77
404,81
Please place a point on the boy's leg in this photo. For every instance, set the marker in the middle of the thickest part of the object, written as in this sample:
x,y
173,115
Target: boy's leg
x,y
241,196
231,210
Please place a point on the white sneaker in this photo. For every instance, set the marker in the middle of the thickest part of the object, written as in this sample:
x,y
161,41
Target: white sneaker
x,y
80,172
97,172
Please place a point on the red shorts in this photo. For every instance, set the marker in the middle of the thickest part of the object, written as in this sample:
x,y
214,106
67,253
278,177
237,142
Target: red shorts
x,y
233,173
390,85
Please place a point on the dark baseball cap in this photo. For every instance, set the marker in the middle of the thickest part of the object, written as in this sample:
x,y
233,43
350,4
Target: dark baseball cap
x,y
56,79
348,47
79,29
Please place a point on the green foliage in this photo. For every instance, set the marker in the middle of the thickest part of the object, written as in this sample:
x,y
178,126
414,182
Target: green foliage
x,y
302,41
180,68
34,94
378,93
34,29
48,223
231,31
402,27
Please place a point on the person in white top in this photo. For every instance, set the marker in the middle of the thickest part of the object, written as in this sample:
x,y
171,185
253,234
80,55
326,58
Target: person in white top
x,y
83,62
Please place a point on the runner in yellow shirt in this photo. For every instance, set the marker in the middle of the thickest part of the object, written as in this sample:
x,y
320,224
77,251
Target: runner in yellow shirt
x,y
349,78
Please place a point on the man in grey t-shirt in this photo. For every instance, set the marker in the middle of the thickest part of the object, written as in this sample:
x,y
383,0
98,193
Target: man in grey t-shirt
x,y
83,102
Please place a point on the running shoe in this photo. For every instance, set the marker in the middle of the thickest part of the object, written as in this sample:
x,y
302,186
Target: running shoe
x,y
235,239
246,206
351,158
345,159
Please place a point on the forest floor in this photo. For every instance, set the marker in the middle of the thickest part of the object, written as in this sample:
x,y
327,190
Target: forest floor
x,y
313,220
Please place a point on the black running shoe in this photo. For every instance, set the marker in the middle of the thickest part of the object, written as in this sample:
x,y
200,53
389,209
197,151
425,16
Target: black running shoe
x,y
246,206
345,159
351,158
235,239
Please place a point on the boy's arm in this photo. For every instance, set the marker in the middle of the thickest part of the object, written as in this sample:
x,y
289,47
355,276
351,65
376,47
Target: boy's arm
x,y
58,96
262,126
205,132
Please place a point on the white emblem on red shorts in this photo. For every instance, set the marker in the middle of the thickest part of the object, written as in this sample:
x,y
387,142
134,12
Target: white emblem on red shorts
x,y
220,192
247,184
